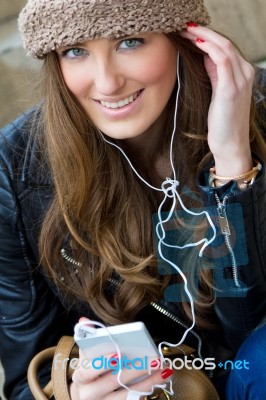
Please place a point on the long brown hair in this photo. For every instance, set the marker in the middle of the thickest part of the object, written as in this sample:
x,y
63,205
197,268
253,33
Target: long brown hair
x,y
101,213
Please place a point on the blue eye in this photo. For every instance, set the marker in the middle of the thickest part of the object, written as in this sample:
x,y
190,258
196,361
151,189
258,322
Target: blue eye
x,y
73,53
131,44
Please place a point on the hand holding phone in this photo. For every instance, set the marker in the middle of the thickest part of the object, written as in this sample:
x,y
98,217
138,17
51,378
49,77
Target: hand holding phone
x,y
131,342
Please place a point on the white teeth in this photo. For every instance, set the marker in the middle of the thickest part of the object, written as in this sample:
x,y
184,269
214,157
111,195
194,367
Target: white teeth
x,y
121,103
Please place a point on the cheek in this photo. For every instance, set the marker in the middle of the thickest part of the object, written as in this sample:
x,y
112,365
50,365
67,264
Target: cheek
x,y
159,71
76,81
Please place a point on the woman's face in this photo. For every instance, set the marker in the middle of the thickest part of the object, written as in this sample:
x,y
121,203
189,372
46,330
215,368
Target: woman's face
x,y
123,85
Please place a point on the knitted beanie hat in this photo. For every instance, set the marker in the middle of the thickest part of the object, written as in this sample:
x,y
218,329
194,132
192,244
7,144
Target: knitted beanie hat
x,y
46,25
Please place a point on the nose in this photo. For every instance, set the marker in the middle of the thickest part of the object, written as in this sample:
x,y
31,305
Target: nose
x,y
108,77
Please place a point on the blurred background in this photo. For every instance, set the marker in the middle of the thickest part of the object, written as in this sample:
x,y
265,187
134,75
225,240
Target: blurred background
x,y
242,20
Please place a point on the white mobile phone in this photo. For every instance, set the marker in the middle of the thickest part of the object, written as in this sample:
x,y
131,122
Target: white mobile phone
x,y
133,339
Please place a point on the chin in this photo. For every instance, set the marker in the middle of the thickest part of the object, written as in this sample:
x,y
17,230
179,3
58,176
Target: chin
x,y
122,134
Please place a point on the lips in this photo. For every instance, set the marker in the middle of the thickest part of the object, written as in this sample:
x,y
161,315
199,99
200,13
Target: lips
x,y
121,103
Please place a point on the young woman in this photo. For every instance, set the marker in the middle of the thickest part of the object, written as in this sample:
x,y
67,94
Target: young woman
x,y
147,115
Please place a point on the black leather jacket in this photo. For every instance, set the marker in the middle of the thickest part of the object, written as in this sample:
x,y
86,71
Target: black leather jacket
x,y
33,315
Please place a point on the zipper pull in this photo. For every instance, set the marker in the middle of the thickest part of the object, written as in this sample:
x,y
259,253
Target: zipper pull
x,y
223,220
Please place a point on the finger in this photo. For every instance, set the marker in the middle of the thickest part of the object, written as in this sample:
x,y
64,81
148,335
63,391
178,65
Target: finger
x,y
106,384
211,36
246,68
83,372
117,379
233,74
241,68
145,386
219,69
215,46
188,35
157,378
91,369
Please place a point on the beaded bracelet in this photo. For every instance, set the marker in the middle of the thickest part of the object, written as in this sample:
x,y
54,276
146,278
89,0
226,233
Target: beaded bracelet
x,y
243,180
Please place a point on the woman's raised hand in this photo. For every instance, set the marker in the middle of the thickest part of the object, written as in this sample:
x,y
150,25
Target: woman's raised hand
x,y
228,119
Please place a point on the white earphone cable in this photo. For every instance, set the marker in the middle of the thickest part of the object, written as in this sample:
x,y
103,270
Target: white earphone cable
x,y
169,188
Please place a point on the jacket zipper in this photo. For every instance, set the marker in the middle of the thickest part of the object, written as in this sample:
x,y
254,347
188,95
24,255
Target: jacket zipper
x,y
224,225
177,320
168,314
69,259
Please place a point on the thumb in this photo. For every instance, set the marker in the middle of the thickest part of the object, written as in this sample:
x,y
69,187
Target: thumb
x,y
85,323
81,327
84,319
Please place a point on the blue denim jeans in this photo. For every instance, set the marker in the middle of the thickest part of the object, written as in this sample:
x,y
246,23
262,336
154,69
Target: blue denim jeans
x,y
249,382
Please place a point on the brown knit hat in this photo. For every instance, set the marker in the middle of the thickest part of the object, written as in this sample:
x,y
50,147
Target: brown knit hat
x,y
46,25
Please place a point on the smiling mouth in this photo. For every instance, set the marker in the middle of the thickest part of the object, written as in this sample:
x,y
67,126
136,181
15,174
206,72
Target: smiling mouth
x,y
121,103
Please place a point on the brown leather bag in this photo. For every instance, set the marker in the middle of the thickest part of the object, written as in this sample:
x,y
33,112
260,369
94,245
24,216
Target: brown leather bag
x,y
187,384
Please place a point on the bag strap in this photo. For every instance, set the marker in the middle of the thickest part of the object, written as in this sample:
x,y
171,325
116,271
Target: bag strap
x,y
61,375
57,388
32,375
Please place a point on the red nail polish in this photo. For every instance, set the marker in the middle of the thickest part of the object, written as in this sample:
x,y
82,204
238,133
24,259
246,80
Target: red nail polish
x,y
114,362
167,372
156,363
199,40
192,24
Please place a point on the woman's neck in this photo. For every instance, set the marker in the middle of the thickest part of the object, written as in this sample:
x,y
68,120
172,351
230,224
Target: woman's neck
x,y
144,146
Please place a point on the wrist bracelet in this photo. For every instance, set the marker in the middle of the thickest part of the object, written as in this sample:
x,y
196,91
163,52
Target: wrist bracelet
x,y
247,175
243,180
242,185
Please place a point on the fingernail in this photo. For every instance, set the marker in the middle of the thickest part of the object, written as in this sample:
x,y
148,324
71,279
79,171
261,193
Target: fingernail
x,y
82,319
167,372
114,362
156,363
199,40
192,24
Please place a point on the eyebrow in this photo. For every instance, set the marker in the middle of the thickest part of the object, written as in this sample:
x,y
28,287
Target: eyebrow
x,y
114,39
